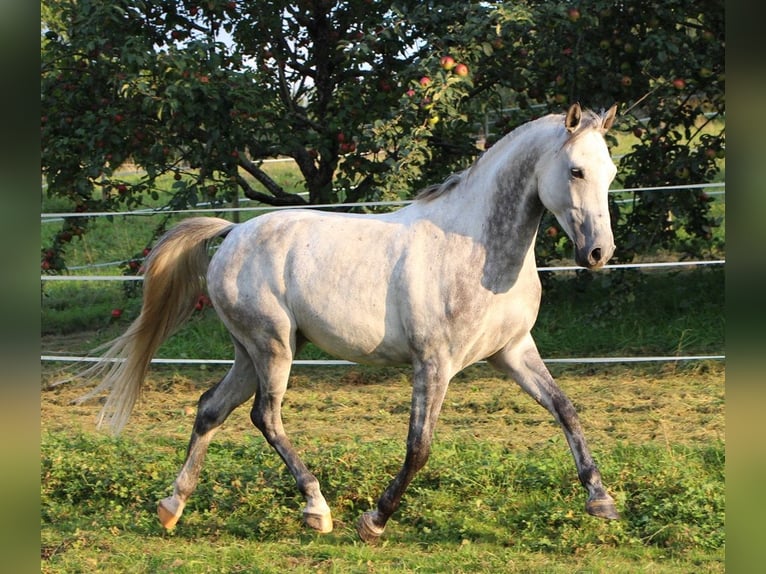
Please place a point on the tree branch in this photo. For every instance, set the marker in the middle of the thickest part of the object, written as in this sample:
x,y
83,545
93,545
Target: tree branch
x,y
279,196
361,191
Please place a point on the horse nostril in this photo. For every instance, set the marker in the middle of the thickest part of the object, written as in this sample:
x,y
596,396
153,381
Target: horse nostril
x,y
595,255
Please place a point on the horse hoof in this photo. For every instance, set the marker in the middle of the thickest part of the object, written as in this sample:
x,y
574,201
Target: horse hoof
x,y
367,529
602,507
319,522
169,511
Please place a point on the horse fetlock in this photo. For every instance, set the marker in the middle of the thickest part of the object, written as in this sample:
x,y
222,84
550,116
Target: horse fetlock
x,y
602,506
169,511
366,527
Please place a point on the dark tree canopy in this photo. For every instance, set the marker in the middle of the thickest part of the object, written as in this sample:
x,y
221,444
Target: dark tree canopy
x,y
359,93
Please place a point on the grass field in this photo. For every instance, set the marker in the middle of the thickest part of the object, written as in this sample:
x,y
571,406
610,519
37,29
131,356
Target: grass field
x,y
500,493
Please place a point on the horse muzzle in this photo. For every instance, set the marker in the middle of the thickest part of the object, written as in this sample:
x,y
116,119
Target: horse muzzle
x,y
594,256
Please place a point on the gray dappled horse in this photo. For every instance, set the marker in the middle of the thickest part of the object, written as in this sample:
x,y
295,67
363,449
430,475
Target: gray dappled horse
x,y
440,284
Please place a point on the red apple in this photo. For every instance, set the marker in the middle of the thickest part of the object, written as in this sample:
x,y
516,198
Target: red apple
x,y
116,313
424,81
679,83
461,70
626,81
574,14
447,62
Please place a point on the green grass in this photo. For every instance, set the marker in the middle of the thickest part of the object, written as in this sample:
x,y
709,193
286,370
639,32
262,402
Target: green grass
x,y
499,493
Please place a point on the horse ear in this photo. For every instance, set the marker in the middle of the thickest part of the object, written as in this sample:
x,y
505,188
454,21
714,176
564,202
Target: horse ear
x,y
611,113
574,115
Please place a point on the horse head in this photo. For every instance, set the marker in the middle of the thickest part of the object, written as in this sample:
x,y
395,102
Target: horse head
x,y
574,181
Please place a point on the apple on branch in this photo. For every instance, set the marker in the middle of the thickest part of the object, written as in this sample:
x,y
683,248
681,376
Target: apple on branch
x,y
447,62
461,70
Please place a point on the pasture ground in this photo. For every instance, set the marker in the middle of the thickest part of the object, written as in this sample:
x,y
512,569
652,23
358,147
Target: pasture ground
x,y
499,494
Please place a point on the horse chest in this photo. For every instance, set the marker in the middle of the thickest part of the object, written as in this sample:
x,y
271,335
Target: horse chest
x,y
467,321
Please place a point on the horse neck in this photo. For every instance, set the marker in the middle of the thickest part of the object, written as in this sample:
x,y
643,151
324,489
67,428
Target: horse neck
x,y
511,204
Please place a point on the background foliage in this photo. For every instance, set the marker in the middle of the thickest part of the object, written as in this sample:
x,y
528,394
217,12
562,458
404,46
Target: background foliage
x,y
357,93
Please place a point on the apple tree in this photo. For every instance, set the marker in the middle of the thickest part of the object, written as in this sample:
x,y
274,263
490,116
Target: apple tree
x,y
372,100
206,90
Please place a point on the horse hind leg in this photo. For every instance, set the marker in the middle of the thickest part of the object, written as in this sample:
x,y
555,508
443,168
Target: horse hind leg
x,y
267,417
214,406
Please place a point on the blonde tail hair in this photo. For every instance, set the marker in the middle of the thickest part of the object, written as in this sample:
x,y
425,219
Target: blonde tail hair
x,y
174,277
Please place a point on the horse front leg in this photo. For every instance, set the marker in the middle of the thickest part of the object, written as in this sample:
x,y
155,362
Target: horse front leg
x,y
428,391
214,406
523,363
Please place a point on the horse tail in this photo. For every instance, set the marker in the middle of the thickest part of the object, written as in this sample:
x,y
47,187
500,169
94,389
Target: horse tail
x,y
174,277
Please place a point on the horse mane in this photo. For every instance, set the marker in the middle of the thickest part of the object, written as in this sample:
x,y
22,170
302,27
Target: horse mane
x,y
590,120
435,190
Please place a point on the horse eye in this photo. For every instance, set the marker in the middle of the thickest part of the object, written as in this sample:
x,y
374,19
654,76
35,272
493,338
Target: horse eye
x,y
576,172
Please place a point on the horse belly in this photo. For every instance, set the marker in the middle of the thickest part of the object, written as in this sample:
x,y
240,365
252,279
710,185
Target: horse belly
x,y
352,323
